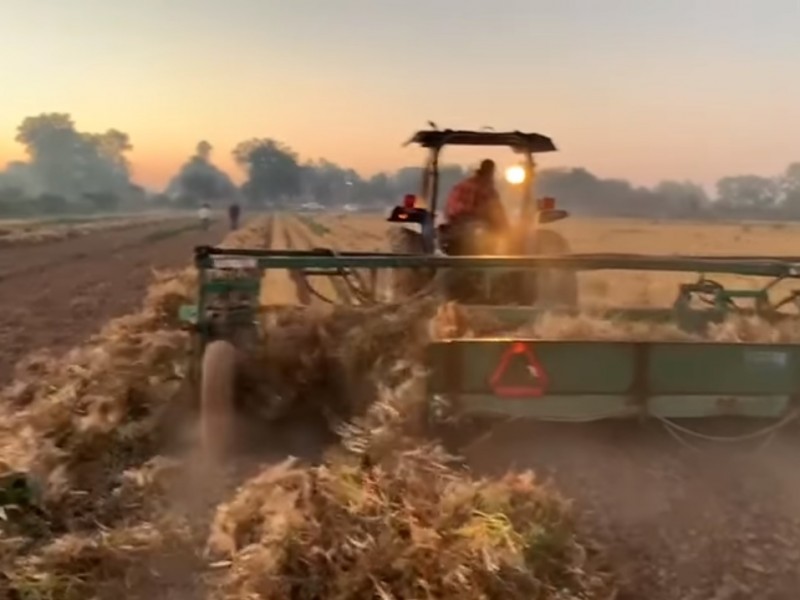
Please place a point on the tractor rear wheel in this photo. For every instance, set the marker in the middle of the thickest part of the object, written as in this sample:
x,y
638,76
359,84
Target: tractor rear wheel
x,y
406,283
551,287
217,398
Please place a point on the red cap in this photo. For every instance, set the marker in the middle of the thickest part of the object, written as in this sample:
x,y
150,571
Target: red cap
x,y
547,203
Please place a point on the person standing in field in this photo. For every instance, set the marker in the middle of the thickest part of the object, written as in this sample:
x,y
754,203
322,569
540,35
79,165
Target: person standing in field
x,y
205,216
233,215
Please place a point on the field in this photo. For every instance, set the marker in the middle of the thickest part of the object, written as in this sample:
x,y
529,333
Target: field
x,y
58,289
126,509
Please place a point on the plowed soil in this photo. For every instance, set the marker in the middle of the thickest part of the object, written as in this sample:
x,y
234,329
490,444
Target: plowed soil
x,y
54,295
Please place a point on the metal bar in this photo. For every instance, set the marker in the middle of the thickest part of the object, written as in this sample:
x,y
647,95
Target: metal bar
x,y
202,251
589,407
764,267
260,252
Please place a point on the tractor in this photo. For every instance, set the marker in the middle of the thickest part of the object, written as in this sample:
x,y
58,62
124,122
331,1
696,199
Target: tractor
x,y
420,234
511,375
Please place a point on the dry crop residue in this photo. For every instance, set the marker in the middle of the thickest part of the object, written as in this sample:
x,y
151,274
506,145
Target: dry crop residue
x,y
120,511
127,513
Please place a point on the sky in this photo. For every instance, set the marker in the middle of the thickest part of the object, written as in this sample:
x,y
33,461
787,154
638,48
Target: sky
x,y
644,90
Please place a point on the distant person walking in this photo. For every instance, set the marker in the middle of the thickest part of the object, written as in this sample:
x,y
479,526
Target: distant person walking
x,y
205,216
233,214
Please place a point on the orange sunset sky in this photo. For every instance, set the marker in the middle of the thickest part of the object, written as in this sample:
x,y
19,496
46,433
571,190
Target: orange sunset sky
x,y
666,89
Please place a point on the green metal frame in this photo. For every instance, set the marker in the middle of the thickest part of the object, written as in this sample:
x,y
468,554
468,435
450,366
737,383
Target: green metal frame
x,y
218,258
585,380
572,380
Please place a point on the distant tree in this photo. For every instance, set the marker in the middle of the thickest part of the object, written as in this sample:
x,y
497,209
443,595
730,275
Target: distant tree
x,y
159,200
329,184
52,204
273,172
200,184
749,193
11,194
198,180
680,198
377,190
102,201
407,180
19,175
204,149
13,202
789,184
70,163
52,143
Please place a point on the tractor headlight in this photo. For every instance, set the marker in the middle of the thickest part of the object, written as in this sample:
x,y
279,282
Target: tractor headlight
x,y
515,174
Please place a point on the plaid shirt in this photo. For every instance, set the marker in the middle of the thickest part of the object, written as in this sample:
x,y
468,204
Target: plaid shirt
x,y
472,198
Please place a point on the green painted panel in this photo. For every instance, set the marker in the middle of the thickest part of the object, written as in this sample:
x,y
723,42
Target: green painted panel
x,y
636,368
569,367
187,313
581,408
568,408
723,368
687,407
220,286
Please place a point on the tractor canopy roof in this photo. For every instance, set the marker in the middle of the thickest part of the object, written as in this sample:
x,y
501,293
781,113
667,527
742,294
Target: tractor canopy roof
x,y
516,140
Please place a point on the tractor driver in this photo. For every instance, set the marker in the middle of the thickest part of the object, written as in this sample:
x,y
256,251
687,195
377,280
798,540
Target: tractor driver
x,y
476,199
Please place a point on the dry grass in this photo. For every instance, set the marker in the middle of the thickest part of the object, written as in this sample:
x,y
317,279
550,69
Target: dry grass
x,y
26,233
454,321
416,530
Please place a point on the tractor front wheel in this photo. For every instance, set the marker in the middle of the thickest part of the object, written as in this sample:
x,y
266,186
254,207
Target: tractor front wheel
x,y
217,398
406,283
551,287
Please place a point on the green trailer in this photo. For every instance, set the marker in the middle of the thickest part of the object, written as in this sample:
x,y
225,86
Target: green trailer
x,y
510,377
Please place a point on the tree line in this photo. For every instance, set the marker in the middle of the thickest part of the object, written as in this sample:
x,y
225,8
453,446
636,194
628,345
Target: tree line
x,y
70,171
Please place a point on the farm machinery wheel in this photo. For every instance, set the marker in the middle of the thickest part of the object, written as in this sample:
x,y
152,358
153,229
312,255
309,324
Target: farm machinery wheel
x,y
551,287
217,398
406,283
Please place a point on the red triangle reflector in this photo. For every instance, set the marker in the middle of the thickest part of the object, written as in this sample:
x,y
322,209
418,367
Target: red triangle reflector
x,y
538,376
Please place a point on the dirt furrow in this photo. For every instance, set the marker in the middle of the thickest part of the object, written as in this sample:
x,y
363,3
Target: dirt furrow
x,y
17,261
301,286
59,303
334,288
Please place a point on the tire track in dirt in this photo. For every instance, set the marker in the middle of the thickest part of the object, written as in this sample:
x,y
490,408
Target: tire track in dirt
x,y
270,232
277,287
301,287
361,234
59,306
335,287
365,234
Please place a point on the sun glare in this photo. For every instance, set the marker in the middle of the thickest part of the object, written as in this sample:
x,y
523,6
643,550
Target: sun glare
x,y
515,175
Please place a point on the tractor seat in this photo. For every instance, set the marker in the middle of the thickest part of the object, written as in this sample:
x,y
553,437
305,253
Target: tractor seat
x,y
402,214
